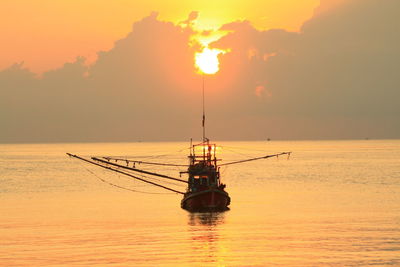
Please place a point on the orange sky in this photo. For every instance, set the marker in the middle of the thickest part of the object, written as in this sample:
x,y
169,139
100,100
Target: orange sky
x,y
46,33
320,83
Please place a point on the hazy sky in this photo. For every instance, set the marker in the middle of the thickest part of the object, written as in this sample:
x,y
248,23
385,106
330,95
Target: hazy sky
x,y
331,73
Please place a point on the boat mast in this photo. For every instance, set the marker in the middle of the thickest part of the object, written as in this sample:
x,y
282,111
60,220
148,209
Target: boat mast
x,y
204,124
204,114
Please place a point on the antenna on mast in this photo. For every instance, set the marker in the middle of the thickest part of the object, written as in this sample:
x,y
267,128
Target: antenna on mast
x,y
204,115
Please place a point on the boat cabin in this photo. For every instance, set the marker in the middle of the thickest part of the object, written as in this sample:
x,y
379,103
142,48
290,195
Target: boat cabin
x,y
203,170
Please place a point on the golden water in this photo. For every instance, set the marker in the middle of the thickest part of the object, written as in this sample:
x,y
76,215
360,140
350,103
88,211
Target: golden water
x,y
334,203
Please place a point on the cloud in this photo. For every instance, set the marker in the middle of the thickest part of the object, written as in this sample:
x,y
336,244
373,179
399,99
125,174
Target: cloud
x,y
130,93
190,19
337,78
338,73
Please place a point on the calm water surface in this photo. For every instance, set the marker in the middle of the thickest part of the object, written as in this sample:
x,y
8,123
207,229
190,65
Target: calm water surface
x,y
334,203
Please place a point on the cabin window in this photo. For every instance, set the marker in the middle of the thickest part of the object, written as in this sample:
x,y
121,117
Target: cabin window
x,y
202,177
204,180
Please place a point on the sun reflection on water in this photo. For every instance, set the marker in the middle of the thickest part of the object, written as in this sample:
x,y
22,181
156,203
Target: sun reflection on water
x,y
208,242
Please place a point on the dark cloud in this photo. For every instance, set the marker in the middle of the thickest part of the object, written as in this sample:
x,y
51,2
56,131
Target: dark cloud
x,y
337,78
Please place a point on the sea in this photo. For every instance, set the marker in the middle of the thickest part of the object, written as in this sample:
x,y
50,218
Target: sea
x,y
331,203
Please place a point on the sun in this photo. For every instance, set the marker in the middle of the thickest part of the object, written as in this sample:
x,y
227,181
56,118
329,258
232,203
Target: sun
x,y
207,61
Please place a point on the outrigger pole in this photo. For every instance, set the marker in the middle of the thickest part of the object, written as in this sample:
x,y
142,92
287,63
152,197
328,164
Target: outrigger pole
x,y
124,173
145,162
138,170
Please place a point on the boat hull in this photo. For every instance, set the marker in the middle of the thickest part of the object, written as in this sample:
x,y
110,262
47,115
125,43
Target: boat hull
x,y
207,200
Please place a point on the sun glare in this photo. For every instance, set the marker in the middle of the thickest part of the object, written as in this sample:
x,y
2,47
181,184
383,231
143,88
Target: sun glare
x,y
207,61
199,149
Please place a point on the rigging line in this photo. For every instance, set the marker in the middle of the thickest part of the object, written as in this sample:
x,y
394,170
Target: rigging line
x,y
173,186
123,177
264,157
169,154
236,152
137,170
104,181
242,148
152,179
145,162
121,187
160,181
135,177
223,171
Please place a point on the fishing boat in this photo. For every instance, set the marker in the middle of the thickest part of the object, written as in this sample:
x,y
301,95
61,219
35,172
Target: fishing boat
x,y
204,189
